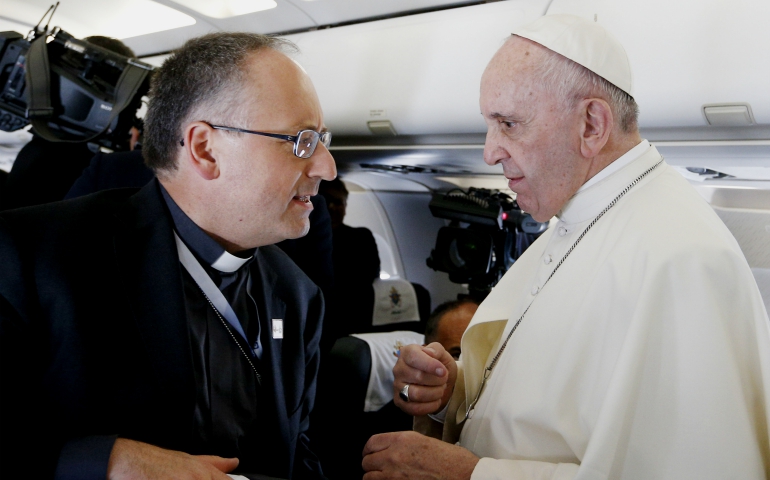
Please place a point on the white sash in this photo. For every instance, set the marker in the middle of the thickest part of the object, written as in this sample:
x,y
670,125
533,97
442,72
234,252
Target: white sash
x,y
213,293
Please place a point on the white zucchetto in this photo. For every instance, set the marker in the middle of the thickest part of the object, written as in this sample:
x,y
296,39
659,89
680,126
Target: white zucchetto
x,y
584,42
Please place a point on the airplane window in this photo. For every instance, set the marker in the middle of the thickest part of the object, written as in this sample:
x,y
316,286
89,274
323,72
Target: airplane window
x,y
388,267
364,210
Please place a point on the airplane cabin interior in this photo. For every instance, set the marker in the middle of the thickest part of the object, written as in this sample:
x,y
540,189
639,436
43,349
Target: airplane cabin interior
x,y
399,81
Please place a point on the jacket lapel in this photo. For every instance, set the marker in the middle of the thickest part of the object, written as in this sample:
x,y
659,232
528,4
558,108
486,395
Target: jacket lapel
x,y
275,400
272,307
148,263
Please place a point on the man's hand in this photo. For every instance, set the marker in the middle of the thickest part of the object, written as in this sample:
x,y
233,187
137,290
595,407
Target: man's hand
x,y
430,372
411,455
139,461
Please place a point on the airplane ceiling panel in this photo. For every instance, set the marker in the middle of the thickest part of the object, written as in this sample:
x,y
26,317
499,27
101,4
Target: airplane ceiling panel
x,y
156,26
167,40
688,53
284,17
330,12
81,18
421,72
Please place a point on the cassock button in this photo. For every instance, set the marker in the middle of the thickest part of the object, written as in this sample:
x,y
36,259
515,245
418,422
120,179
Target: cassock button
x,y
547,259
535,289
562,231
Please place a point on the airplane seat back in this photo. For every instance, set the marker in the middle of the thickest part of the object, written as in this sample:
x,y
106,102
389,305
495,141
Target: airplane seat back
x,y
395,304
399,305
346,415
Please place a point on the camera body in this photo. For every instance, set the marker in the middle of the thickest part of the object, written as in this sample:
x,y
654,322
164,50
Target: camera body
x,y
85,85
495,234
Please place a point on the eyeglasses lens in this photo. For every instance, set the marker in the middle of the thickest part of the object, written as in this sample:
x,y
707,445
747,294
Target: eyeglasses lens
x,y
306,143
326,139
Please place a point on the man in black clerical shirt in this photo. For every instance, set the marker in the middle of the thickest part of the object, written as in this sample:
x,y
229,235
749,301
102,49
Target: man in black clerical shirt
x,y
356,266
159,333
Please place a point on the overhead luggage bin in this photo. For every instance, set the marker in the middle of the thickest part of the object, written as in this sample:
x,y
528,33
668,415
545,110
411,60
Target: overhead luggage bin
x,y
689,54
421,72
260,16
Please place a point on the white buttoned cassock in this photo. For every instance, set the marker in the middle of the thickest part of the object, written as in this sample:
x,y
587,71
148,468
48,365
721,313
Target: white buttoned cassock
x,y
647,354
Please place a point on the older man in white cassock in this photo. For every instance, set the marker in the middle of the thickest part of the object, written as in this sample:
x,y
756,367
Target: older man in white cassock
x,y
630,340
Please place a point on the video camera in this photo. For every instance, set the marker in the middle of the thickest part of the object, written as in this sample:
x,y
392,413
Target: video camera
x,y
497,233
69,89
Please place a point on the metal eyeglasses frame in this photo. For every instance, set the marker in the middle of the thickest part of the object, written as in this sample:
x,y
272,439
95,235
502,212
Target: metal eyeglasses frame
x,y
324,137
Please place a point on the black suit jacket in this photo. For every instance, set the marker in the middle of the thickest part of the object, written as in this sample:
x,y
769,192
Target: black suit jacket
x,y
3,180
44,171
312,253
112,170
94,340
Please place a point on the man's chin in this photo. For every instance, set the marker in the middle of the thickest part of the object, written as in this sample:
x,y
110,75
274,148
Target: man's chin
x,y
524,205
538,215
299,230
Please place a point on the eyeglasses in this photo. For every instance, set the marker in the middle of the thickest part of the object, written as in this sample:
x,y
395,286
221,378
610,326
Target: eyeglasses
x,y
305,141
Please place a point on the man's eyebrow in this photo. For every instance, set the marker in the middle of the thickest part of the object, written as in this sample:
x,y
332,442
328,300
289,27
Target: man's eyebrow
x,y
312,127
501,115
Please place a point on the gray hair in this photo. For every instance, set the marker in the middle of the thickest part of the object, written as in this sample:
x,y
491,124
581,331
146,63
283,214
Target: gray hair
x,y
203,77
573,82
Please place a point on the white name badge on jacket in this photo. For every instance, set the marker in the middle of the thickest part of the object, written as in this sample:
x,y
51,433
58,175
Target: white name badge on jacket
x,y
277,328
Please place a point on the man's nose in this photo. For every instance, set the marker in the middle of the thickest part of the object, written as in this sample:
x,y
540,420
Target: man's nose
x,y
493,151
322,164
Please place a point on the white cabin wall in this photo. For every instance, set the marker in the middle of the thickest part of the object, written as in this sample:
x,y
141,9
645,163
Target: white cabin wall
x,y
365,210
395,208
416,230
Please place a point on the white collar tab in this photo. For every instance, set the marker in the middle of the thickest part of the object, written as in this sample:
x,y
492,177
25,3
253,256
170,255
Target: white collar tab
x,y
229,263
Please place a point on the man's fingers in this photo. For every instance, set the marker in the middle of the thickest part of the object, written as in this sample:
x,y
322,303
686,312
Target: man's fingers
x,y
423,393
437,351
372,463
378,443
375,457
423,359
417,409
222,464
416,366
403,374
428,378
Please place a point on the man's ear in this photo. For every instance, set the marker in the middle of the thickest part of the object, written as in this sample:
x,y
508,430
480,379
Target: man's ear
x,y
198,141
597,122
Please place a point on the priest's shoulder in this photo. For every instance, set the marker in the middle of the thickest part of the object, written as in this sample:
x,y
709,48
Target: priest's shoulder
x,y
75,211
276,263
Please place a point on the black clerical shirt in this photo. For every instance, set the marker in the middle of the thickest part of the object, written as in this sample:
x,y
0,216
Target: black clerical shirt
x,y
227,391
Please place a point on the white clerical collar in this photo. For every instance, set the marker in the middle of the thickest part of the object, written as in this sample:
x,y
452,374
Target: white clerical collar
x,y
205,247
591,199
619,163
228,263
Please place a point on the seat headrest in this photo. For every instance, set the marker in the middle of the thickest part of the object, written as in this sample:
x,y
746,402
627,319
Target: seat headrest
x,y
395,301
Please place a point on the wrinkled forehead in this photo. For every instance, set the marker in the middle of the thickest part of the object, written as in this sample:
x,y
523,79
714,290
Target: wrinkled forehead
x,y
516,58
511,80
275,85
